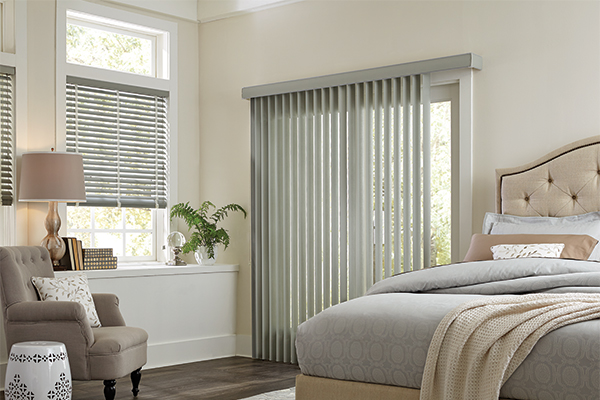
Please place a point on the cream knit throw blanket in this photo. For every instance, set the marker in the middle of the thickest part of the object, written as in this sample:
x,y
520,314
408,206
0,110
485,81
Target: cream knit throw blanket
x,y
479,344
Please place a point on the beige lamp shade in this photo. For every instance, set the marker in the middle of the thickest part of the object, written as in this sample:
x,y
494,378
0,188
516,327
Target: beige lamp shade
x,y
52,176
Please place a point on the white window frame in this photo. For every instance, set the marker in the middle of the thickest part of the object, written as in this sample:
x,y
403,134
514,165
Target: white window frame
x,y
462,155
165,80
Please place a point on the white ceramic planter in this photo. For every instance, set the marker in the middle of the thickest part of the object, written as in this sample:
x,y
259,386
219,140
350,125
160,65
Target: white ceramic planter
x,y
38,370
202,257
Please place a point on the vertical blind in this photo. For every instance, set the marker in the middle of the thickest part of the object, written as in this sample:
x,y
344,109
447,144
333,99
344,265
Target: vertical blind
x,y
340,184
123,135
7,148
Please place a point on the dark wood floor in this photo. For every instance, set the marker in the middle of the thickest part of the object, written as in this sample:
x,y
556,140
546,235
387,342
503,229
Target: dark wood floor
x,y
223,379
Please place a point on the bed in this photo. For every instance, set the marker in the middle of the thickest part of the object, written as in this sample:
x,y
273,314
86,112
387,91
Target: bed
x,y
375,346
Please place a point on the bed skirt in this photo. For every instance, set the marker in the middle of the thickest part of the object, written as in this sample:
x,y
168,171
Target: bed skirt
x,y
315,388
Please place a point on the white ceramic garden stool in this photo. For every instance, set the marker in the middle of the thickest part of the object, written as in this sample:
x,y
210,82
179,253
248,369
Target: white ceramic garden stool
x,y
38,370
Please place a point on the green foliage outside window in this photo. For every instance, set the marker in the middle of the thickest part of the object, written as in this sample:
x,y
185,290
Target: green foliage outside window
x,y
103,49
441,169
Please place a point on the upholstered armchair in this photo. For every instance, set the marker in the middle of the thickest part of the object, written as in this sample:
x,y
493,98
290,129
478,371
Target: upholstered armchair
x,y
105,353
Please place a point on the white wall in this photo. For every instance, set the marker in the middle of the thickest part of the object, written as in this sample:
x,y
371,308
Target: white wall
x,y
539,88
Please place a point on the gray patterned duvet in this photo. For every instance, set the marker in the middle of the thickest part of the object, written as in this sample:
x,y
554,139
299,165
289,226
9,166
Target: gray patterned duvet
x,y
383,336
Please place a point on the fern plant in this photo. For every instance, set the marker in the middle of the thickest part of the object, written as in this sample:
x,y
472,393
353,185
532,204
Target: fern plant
x,y
206,232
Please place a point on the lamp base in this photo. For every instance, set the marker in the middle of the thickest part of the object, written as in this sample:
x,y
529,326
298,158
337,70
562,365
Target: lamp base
x,y
53,242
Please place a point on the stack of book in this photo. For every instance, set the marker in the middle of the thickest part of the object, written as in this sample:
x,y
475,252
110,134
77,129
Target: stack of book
x,y
97,258
77,258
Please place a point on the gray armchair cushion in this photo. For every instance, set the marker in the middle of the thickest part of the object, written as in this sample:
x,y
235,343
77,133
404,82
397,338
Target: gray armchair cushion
x,y
117,351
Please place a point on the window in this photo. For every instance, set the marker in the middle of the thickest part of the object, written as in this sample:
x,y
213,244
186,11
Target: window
x,y
123,137
128,231
104,43
117,113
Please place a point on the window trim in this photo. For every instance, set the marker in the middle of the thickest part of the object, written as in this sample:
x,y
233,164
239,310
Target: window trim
x,y
64,69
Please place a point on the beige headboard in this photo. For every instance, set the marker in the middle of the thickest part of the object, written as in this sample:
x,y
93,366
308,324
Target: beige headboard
x,y
564,182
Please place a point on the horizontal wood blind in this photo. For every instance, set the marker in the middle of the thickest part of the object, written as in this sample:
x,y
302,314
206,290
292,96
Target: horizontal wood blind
x,y
339,178
7,148
123,136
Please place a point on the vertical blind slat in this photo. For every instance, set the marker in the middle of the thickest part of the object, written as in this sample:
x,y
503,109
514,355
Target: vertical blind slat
x,y
271,182
318,146
352,192
396,90
368,184
310,210
326,104
294,226
256,227
387,138
302,118
415,99
278,250
265,231
406,166
335,195
378,183
362,166
285,224
343,196
426,171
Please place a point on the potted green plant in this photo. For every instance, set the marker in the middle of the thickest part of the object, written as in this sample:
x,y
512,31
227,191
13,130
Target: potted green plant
x,y
206,235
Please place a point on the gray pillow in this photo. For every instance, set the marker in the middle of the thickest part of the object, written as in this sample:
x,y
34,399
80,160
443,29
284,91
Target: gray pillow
x,y
584,224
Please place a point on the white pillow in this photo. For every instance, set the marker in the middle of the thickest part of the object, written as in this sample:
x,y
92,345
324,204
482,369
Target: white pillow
x,y
546,250
584,224
70,288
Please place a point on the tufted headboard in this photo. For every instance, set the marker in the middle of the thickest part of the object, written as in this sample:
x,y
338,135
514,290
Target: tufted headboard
x,y
564,182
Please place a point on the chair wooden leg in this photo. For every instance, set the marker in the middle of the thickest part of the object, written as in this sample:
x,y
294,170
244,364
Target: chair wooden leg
x,y
109,389
136,376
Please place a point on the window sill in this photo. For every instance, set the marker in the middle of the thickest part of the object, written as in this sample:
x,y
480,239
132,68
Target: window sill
x,y
154,269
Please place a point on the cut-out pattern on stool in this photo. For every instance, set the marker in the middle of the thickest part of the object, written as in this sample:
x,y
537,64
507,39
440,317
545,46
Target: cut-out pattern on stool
x,y
37,358
62,389
17,390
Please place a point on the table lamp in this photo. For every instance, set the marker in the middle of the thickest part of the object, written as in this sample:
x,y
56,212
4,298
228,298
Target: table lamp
x,y
53,177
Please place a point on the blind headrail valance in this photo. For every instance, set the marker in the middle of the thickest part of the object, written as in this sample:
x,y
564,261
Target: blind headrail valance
x,y
468,60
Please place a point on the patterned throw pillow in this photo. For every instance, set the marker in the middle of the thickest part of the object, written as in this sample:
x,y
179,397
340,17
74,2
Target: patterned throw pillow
x,y
70,288
545,250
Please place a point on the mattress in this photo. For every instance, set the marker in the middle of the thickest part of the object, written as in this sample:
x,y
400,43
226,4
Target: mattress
x,y
383,337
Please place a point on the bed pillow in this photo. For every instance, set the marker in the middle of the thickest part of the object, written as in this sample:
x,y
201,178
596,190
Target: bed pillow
x,y
544,250
70,288
584,224
577,247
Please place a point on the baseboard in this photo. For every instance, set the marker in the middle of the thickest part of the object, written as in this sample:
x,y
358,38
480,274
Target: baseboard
x,y
243,345
181,352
